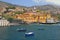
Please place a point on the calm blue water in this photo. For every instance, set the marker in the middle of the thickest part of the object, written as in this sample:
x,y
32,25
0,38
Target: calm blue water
x,y
51,32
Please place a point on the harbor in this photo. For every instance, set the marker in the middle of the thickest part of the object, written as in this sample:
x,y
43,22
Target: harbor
x,y
50,32
29,19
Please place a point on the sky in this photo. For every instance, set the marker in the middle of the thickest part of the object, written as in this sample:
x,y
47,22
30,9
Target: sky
x,y
32,2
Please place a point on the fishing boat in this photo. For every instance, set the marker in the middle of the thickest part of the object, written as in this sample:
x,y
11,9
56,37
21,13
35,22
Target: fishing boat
x,y
21,30
29,34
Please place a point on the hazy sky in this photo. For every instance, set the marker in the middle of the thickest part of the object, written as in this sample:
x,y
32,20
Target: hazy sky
x,y
32,2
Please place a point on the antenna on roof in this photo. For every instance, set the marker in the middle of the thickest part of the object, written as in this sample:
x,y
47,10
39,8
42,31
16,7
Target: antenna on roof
x,y
34,7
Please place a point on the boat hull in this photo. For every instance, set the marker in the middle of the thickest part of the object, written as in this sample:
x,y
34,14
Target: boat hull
x,y
29,34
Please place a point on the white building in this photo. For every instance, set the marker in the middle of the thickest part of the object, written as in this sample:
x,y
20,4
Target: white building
x,y
51,20
4,22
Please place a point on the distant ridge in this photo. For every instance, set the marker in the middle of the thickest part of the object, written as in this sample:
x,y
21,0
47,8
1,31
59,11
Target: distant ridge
x,y
47,7
50,7
5,4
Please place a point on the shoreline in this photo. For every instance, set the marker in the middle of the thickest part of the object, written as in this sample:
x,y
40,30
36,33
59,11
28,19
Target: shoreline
x,y
17,24
13,24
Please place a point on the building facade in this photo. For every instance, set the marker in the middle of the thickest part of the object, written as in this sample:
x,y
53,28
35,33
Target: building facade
x,y
35,17
4,22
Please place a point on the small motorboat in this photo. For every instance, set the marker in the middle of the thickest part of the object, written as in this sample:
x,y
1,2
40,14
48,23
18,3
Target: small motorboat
x,y
21,30
29,34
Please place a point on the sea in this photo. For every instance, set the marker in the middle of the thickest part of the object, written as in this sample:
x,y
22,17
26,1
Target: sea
x,y
50,32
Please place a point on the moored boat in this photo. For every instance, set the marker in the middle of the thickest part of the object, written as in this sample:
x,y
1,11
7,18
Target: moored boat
x,y
21,30
29,34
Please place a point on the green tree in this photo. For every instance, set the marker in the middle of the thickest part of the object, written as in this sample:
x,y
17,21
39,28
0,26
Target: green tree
x,y
18,12
10,19
58,15
37,10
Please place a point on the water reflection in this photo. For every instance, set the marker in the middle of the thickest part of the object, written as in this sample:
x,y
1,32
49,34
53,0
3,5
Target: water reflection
x,y
51,32
3,33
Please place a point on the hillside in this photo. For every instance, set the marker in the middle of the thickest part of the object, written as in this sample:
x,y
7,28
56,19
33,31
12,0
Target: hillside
x,y
52,8
47,7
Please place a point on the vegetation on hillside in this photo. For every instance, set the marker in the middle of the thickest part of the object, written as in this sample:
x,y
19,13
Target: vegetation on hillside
x,y
18,12
11,7
8,16
58,15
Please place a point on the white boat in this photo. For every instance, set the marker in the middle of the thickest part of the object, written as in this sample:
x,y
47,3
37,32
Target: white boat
x,y
29,34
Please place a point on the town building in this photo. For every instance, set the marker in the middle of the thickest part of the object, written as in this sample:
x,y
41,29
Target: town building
x,y
31,17
4,22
